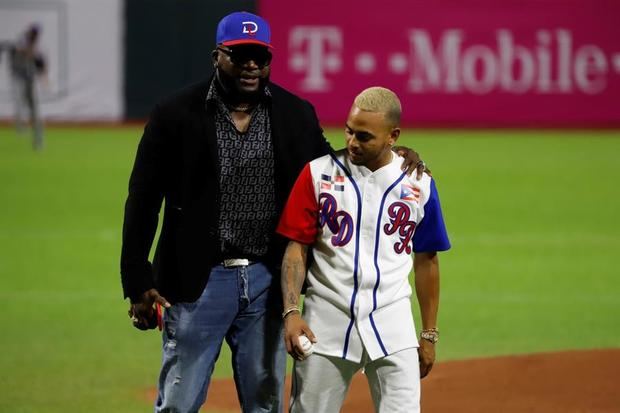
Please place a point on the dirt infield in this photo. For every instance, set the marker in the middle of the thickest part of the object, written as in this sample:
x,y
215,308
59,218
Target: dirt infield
x,y
565,382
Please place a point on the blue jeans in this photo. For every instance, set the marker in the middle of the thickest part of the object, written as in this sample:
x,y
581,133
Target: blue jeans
x,y
241,305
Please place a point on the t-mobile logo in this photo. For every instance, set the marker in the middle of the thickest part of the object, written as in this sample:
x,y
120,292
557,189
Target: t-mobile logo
x,y
315,51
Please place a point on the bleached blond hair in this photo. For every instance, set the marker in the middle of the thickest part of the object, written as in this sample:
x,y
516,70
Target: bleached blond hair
x,y
380,99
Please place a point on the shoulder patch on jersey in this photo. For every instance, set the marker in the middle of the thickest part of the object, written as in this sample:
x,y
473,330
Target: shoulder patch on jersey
x,y
409,193
330,182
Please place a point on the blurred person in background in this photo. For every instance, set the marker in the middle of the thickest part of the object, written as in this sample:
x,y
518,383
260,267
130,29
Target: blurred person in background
x,y
27,63
223,154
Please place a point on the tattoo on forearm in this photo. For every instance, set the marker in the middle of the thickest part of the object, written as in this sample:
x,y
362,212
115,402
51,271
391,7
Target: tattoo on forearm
x,y
299,275
291,299
295,276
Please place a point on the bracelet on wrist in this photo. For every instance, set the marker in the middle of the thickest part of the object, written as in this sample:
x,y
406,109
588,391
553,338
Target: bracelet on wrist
x,y
290,310
434,329
430,334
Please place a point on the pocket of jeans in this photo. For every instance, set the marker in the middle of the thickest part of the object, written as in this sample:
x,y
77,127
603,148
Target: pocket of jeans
x,y
179,327
171,322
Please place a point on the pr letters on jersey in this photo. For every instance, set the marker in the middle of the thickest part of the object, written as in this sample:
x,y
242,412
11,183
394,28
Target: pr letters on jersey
x,y
399,214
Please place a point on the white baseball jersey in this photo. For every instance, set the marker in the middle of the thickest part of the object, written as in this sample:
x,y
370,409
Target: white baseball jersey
x,y
363,227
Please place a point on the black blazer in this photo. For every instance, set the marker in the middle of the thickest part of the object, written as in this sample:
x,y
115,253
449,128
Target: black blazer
x,y
177,163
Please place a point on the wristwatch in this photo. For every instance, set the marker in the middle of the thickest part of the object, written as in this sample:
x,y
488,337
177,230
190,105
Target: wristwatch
x,y
431,335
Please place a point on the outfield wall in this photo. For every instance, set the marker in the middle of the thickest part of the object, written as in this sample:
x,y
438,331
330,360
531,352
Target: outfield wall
x,y
455,62
82,42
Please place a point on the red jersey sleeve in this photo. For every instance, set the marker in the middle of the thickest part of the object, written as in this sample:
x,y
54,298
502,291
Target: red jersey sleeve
x,y
299,219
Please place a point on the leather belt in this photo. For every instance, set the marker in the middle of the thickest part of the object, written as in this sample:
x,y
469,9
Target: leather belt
x,y
236,262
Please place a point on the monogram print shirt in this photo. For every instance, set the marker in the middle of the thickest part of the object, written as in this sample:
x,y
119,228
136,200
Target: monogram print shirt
x,y
247,198
363,227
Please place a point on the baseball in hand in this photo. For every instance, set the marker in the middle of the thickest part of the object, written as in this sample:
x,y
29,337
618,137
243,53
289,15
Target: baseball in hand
x,y
306,346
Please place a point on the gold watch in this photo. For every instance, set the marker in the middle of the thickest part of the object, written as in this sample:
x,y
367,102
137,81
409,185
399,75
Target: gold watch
x,y
432,335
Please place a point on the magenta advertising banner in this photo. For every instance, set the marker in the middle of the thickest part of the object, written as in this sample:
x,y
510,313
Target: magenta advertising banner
x,y
529,63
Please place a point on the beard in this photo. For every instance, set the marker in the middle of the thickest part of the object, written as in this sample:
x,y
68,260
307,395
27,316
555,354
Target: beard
x,y
357,159
234,92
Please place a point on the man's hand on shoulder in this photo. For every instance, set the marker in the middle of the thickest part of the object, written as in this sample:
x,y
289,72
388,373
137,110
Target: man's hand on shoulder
x,y
412,161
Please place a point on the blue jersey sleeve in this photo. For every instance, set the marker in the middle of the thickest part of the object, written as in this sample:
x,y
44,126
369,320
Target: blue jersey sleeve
x,y
430,235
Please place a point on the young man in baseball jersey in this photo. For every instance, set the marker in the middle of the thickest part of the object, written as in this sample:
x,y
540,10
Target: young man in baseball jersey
x,y
363,218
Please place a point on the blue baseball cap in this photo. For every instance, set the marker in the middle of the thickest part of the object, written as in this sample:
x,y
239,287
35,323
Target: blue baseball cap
x,y
243,28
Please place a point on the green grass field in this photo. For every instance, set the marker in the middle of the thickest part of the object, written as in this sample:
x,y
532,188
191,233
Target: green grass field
x,y
533,219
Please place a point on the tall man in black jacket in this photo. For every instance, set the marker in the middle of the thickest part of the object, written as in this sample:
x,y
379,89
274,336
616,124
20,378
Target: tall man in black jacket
x,y
223,154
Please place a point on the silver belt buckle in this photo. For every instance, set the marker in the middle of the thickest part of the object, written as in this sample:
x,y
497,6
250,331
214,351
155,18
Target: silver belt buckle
x,y
236,262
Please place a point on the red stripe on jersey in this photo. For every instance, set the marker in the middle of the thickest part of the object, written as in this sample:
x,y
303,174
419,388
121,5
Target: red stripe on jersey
x,y
299,220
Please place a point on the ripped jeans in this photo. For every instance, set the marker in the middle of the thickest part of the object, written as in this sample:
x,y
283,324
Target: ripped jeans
x,y
241,305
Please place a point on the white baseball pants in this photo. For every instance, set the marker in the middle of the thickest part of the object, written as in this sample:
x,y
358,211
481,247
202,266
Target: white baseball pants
x,y
320,383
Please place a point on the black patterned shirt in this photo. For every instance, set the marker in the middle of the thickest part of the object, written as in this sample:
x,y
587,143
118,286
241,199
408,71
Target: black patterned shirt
x,y
247,185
